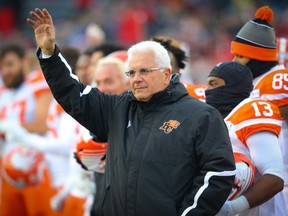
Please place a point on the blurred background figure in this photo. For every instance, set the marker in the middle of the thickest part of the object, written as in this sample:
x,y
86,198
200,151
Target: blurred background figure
x,y
282,47
110,76
71,55
82,67
87,61
24,101
95,36
102,51
126,22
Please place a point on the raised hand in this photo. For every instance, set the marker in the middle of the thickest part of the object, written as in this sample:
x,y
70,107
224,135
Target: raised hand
x,y
43,29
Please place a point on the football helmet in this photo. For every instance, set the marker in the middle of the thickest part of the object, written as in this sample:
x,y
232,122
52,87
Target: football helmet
x,y
245,175
23,167
91,153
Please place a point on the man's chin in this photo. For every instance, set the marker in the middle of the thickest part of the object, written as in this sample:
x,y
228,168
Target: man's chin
x,y
13,85
141,97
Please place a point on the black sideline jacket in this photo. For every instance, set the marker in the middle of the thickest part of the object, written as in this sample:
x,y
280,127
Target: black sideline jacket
x,y
170,156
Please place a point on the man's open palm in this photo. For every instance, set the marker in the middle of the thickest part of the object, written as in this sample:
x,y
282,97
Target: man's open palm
x,y
43,29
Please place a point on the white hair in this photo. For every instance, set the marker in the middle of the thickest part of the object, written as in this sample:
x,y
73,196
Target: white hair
x,y
114,61
162,58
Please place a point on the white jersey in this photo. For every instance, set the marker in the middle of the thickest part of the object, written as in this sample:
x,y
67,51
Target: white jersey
x,y
247,118
60,140
19,104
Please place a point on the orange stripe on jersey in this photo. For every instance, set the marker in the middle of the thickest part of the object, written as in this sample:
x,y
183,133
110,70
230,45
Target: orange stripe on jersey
x,y
37,82
274,87
252,116
59,108
41,91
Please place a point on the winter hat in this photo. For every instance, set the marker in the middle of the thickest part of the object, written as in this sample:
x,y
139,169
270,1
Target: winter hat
x,y
256,39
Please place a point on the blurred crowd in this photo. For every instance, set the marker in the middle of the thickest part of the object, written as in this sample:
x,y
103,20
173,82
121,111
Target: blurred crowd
x,y
204,27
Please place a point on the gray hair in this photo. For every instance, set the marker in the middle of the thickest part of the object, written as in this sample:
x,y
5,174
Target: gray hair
x,y
161,54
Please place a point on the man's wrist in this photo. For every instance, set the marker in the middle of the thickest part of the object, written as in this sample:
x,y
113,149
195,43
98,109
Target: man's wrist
x,y
48,52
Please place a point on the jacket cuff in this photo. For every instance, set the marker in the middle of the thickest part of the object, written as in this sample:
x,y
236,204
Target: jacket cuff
x,y
47,58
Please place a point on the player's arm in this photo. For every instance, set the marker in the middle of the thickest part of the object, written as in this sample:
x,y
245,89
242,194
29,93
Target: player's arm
x,y
38,125
284,112
59,145
266,155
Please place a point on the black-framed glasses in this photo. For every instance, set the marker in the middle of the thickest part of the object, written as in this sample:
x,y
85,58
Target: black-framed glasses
x,y
142,71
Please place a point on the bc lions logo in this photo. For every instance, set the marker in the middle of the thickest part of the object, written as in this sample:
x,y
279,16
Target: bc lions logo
x,y
167,127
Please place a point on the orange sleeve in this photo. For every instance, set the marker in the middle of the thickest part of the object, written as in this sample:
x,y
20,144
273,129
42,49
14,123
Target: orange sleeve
x,y
38,83
196,91
256,116
274,87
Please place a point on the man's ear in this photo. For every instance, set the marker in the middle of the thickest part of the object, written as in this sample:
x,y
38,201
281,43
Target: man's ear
x,y
168,74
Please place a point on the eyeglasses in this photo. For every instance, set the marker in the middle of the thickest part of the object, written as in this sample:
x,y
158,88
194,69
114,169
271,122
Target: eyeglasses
x,y
142,71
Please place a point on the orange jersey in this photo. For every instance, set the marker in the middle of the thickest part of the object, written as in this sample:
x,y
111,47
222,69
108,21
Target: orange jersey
x,y
272,86
249,117
196,91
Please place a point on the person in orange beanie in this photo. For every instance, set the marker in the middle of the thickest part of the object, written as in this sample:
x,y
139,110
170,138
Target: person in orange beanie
x,y
255,46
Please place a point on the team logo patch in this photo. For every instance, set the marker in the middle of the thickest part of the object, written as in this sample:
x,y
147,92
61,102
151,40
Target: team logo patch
x,y
167,127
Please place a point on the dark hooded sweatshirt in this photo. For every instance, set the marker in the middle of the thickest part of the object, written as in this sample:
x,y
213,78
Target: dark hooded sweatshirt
x,y
169,156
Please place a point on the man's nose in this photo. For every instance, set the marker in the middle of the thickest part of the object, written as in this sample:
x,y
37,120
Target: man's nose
x,y
137,77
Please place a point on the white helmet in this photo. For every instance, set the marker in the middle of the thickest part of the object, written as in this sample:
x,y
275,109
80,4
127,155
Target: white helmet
x,y
23,167
245,175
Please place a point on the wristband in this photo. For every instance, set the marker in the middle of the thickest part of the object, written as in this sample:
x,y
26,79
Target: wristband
x,y
240,204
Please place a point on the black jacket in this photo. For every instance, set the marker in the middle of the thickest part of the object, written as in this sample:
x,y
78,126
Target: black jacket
x,y
170,156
